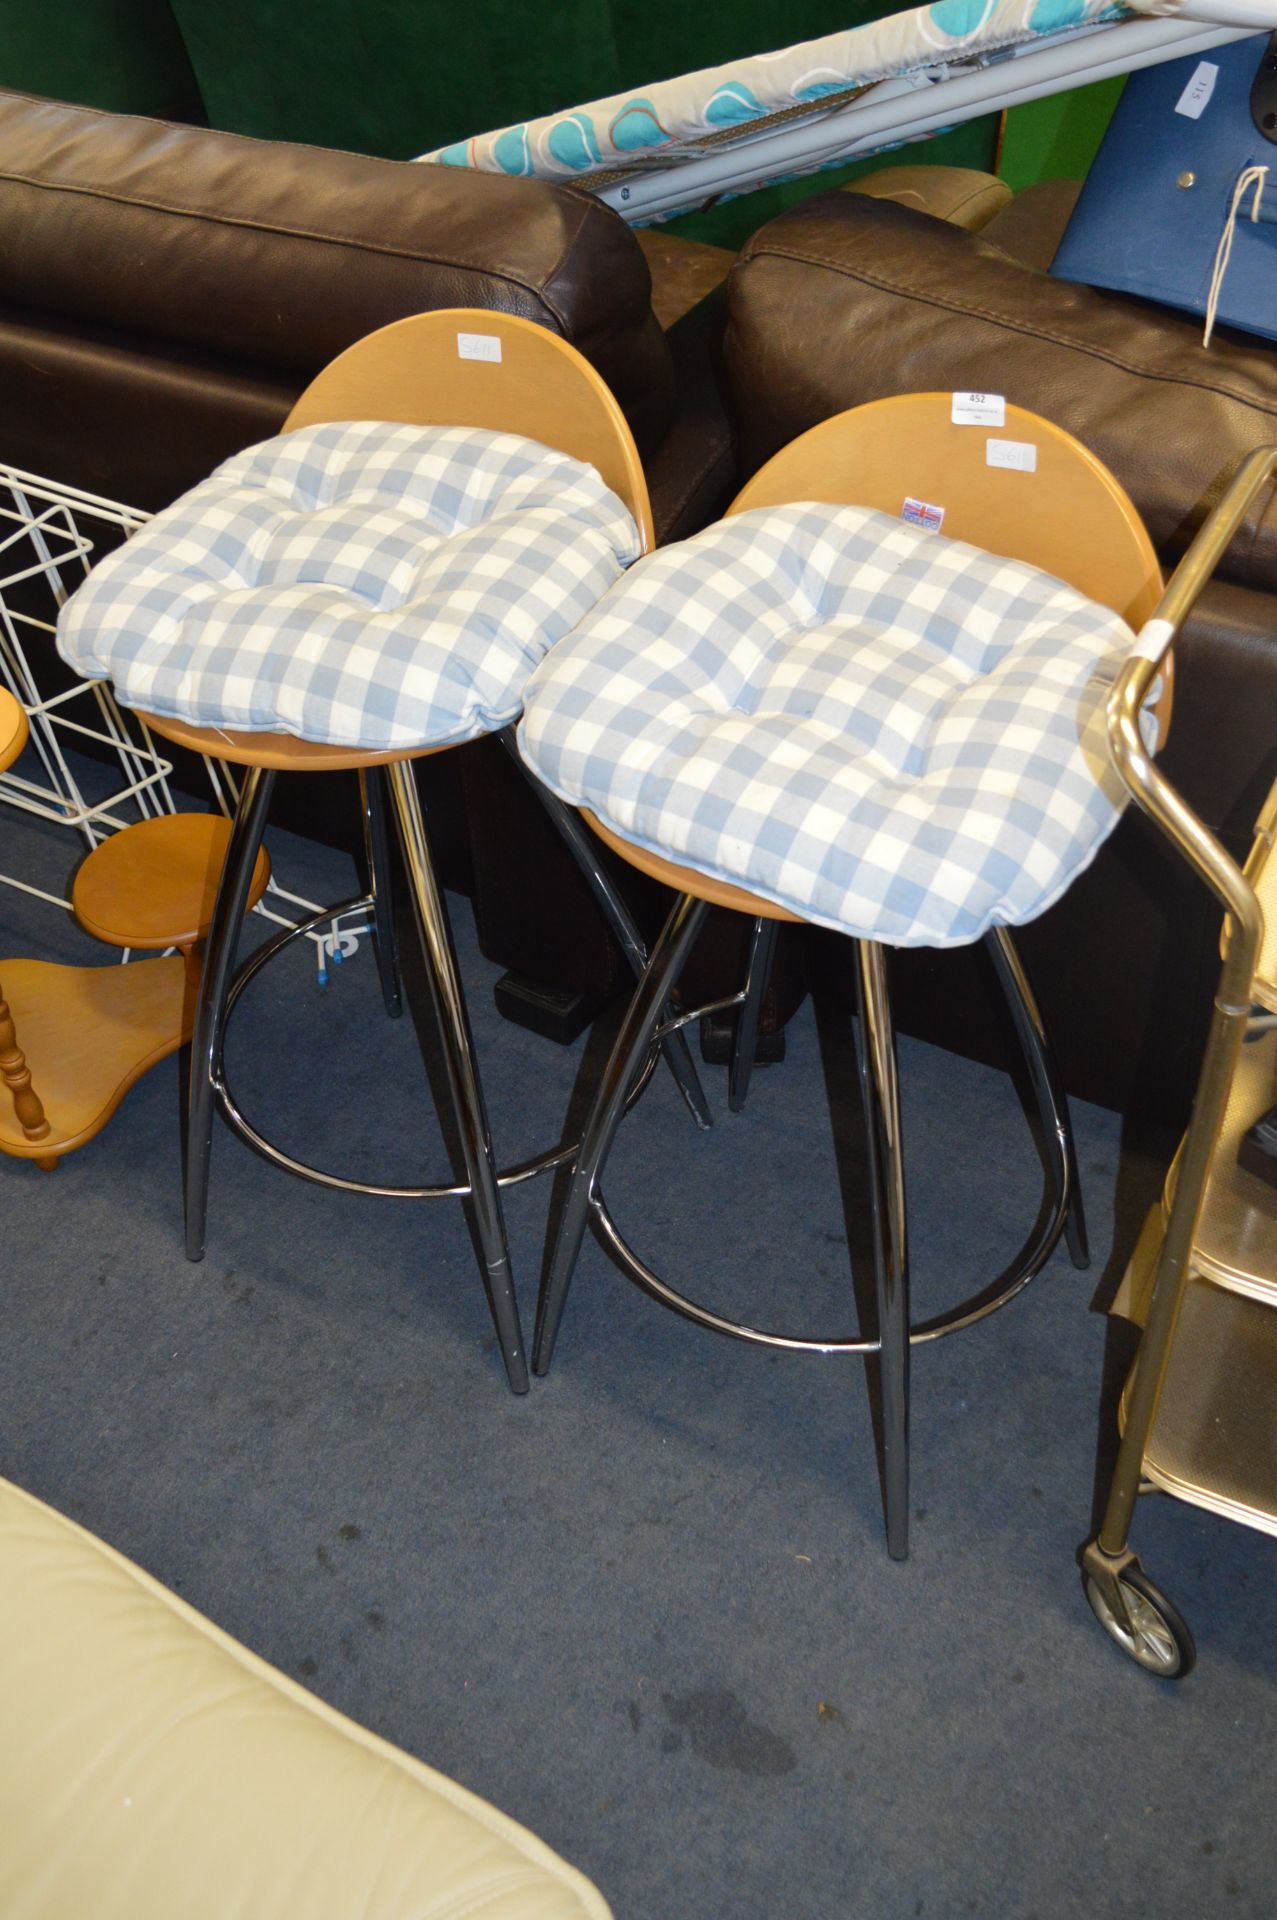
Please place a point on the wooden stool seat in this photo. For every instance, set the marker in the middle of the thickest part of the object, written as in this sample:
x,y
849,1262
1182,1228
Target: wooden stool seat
x,y
89,1033
153,885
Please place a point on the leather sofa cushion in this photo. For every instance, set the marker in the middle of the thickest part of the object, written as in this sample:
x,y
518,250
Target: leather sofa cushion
x,y
152,1767
277,257
847,299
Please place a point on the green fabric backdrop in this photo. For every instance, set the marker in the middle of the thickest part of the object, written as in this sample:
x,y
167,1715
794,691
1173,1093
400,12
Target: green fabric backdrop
x,y
396,76
122,54
399,76
393,76
1057,139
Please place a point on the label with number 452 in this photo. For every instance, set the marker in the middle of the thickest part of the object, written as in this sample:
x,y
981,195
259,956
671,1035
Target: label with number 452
x,y
979,410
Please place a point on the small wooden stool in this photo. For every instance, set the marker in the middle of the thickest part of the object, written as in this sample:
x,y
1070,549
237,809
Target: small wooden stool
x,y
94,1031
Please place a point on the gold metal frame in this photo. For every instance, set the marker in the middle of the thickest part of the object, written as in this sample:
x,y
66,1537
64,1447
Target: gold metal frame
x,y
1108,1557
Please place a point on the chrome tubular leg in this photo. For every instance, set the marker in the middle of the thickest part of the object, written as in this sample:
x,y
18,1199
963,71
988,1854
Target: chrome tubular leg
x,y
630,1050
210,1012
880,1092
372,798
758,966
584,849
1048,1090
463,1077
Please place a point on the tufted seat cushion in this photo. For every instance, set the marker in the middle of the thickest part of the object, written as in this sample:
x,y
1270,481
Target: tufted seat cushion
x,y
360,583
888,732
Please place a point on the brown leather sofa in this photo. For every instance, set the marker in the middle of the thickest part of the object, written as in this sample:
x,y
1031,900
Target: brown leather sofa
x,y
845,299
167,291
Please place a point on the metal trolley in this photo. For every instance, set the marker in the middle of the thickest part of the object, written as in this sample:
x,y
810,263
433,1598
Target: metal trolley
x,y
1198,1410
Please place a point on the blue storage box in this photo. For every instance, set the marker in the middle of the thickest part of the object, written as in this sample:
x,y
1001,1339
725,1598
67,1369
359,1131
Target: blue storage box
x,y
1158,198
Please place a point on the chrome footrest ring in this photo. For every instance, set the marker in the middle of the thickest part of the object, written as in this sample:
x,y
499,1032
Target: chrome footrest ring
x,y
240,1125
967,1314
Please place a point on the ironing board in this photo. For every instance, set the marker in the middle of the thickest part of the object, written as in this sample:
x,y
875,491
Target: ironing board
x,y
661,150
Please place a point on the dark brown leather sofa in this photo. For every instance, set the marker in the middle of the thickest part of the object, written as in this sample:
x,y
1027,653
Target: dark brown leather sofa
x,y
167,291
846,299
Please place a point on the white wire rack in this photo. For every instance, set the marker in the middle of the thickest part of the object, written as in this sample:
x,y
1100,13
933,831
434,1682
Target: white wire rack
x,y
50,536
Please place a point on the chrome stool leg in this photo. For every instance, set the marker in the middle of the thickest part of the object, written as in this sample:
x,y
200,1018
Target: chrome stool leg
x,y
372,806
880,1091
210,1014
629,1052
463,1077
1048,1089
758,967
587,853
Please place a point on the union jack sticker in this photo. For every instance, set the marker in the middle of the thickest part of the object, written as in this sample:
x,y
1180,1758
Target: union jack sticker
x,y
921,513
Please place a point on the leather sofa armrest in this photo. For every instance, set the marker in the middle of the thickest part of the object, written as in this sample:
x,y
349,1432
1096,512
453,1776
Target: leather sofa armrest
x,y
846,299
272,258
964,196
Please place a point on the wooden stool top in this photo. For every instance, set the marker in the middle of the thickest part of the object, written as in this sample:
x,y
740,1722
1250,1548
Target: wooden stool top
x,y
13,729
153,885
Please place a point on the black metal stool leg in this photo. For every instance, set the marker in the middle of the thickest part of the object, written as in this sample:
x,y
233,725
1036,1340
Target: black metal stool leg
x,y
644,1016
372,797
1048,1089
463,1076
210,1012
880,1091
585,850
758,966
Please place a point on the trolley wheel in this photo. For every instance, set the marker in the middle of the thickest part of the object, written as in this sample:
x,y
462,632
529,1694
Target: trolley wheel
x,y
1161,1642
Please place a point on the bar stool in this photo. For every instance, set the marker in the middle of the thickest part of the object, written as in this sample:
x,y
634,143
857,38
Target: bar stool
x,y
824,709
446,499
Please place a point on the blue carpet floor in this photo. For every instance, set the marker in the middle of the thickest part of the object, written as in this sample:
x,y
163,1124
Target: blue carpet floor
x,y
647,1610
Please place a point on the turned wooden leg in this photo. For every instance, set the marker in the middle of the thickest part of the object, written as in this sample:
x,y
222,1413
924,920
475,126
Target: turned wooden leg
x,y
17,1077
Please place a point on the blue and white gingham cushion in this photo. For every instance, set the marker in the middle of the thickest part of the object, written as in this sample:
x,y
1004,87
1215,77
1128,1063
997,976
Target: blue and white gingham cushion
x,y
361,583
890,733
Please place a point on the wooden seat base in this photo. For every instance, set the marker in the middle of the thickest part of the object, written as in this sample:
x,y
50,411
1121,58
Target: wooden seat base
x,y
701,886
283,751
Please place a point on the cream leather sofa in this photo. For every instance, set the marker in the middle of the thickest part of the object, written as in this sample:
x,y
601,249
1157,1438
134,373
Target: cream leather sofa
x,y
151,1767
